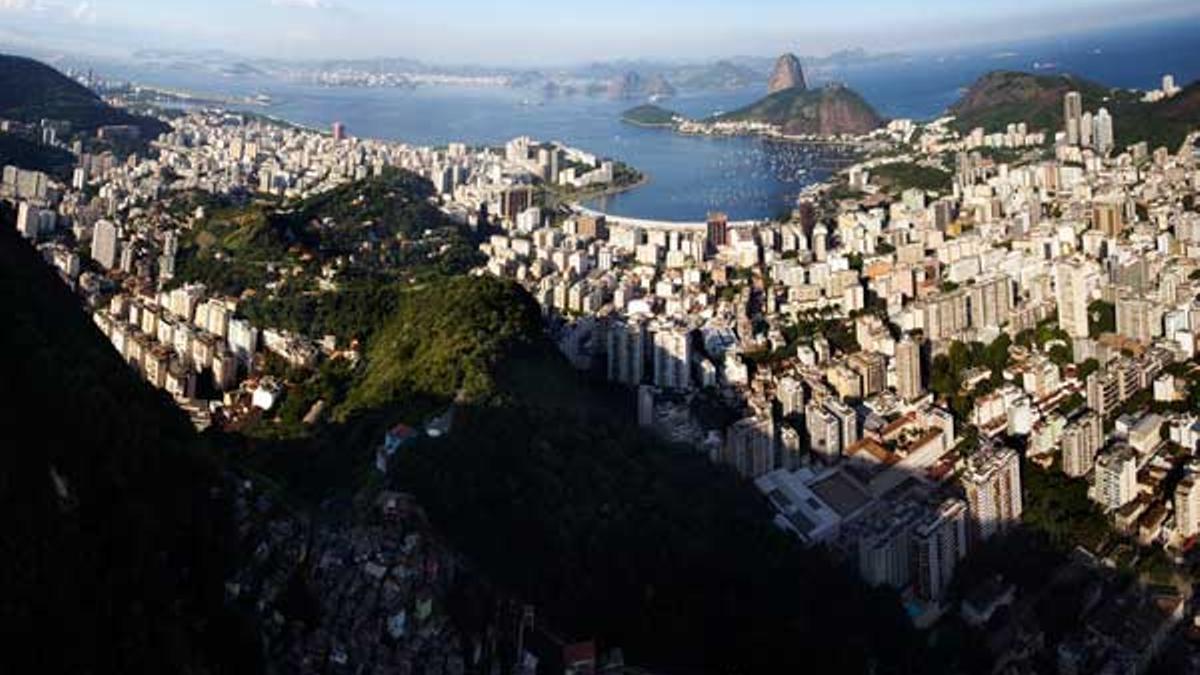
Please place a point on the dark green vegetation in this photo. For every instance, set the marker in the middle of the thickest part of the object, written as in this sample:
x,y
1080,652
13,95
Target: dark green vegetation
x,y
946,374
829,111
1035,557
650,548
31,91
117,538
446,341
20,151
425,346
810,325
901,176
353,312
1000,98
382,227
1102,318
546,485
1059,508
1003,97
1051,339
650,116
543,482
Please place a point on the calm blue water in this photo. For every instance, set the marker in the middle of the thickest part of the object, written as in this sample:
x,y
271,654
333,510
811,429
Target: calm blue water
x,y
689,176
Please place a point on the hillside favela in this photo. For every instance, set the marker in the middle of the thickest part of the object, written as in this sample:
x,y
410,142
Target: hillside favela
x,y
352,337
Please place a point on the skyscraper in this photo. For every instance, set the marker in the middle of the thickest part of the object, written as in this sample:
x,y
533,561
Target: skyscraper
x,y
339,131
939,542
1073,116
1103,134
27,221
993,485
1187,504
673,358
1087,130
750,447
626,352
1114,483
1108,217
105,244
908,370
718,231
871,368
1168,85
1136,319
1072,291
790,393
824,432
1081,440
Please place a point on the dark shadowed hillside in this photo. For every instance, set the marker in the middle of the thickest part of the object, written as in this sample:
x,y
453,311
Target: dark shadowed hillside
x,y
117,538
31,91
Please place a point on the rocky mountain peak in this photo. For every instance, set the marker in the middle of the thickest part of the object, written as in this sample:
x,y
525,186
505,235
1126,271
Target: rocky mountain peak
x,y
787,75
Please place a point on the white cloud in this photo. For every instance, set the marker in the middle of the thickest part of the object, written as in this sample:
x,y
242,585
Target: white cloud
x,y
84,11
294,4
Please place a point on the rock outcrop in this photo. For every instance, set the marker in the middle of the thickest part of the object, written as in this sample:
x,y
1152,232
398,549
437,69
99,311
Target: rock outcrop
x,y
658,87
625,86
633,85
787,75
829,111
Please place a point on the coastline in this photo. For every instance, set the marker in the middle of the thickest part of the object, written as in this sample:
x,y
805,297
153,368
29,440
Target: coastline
x,y
705,129
577,201
776,135
595,195
650,125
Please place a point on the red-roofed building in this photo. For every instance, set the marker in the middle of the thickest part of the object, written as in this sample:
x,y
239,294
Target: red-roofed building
x,y
396,438
580,658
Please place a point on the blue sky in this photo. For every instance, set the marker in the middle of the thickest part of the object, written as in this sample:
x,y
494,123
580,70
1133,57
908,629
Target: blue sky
x,y
550,31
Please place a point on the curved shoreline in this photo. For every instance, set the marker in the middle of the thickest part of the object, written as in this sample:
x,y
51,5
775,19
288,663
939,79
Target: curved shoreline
x,y
614,190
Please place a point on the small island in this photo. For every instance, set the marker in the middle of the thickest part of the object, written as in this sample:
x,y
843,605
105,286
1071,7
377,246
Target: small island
x,y
651,115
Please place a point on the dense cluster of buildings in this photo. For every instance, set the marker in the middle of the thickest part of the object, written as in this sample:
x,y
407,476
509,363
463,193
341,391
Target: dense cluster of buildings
x,y
120,248
114,234
844,436
817,338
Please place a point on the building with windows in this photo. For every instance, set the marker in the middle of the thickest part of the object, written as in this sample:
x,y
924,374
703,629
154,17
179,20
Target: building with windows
x,y
1114,483
908,370
992,483
673,358
939,543
1081,440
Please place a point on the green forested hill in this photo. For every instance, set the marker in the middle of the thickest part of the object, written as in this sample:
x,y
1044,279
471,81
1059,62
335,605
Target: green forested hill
x,y
612,535
116,538
546,485
1003,97
828,111
24,153
650,115
31,91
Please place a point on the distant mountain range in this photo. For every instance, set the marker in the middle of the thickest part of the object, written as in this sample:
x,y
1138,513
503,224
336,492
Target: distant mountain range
x,y
595,78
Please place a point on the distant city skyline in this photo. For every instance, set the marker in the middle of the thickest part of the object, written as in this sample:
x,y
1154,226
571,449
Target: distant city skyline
x,y
539,32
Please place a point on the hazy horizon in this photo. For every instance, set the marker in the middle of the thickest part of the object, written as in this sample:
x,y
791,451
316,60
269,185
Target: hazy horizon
x,y
542,34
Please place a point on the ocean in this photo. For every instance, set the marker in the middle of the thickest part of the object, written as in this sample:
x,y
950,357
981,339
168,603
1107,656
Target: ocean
x,y
747,178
